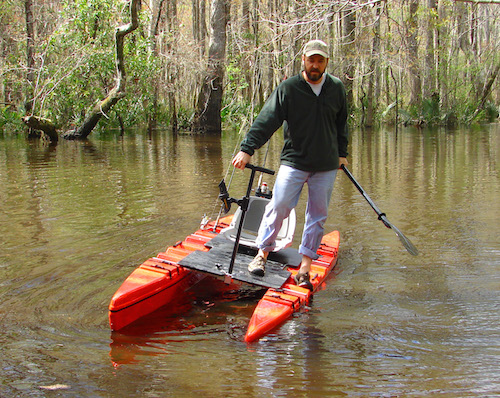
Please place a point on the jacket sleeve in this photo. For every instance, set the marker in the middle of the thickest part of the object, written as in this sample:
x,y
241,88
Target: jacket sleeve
x,y
269,120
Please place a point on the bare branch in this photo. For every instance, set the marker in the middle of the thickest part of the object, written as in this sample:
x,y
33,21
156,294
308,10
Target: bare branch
x,y
478,1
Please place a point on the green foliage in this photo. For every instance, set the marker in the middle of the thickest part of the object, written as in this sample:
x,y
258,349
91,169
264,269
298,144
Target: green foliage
x,y
405,116
184,118
488,114
70,85
491,112
235,106
88,82
10,120
389,108
90,21
233,113
431,113
235,76
144,73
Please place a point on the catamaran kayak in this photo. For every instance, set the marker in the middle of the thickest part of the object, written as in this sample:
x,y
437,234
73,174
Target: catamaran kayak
x,y
159,280
223,250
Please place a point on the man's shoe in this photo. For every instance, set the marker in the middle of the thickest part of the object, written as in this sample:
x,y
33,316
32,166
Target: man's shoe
x,y
257,266
303,280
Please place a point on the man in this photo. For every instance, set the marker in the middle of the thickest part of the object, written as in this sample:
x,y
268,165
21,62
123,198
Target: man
x,y
313,111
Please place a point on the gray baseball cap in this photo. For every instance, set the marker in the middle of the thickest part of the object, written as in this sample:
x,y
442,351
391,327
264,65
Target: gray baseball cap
x,y
316,47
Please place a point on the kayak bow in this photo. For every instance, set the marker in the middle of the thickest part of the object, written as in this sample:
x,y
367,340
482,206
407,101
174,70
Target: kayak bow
x,y
278,305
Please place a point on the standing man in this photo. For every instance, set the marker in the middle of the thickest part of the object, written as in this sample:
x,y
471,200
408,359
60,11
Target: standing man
x,y
313,111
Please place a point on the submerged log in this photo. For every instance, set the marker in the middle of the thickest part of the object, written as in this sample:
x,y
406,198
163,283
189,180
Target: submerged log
x,y
44,125
99,110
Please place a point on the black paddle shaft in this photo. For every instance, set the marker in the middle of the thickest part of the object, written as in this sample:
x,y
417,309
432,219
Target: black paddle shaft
x,y
382,216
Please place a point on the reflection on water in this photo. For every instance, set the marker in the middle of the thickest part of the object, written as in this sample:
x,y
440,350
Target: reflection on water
x,y
208,307
77,218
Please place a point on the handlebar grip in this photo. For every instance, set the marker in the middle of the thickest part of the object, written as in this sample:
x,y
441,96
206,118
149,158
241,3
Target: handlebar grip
x,y
261,169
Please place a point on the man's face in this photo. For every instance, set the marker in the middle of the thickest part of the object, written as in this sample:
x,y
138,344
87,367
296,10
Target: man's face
x,y
314,66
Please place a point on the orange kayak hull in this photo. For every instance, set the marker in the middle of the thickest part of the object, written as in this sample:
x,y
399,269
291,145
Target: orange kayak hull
x,y
157,281
277,305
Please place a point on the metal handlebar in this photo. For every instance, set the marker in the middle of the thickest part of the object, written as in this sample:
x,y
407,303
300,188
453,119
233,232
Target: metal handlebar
x,y
261,169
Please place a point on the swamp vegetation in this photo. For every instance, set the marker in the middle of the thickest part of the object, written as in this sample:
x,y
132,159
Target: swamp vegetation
x,y
199,65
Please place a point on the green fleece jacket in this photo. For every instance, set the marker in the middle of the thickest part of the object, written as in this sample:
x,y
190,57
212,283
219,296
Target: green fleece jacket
x,y
314,127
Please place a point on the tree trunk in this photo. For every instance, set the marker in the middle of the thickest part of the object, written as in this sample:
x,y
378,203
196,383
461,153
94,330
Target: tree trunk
x,y
463,28
430,61
487,90
374,70
245,16
415,81
443,59
396,102
30,56
203,26
118,92
208,113
156,8
348,50
199,25
171,68
44,125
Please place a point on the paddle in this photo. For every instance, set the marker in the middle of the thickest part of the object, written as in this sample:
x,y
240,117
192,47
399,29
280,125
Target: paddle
x,y
381,216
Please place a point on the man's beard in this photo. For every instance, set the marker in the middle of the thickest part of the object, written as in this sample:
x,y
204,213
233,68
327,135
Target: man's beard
x,y
314,78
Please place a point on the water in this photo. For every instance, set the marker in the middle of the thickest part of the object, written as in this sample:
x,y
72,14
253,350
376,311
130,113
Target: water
x,y
75,220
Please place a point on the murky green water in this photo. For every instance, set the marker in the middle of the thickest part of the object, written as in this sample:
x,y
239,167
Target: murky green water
x,y
75,220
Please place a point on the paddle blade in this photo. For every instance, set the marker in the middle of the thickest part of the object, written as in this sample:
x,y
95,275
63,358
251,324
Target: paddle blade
x,y
404,240
381,216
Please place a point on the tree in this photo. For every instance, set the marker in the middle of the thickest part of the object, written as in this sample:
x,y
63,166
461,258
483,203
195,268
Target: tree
x,y
487,90
208,112
156,8
118,92
30,55
374,70
439,54
413,45
348,50
199,25
170,68
430,61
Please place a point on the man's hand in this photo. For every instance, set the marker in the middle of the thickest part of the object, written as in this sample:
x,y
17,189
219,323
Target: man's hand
x,y
343,161
241,159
